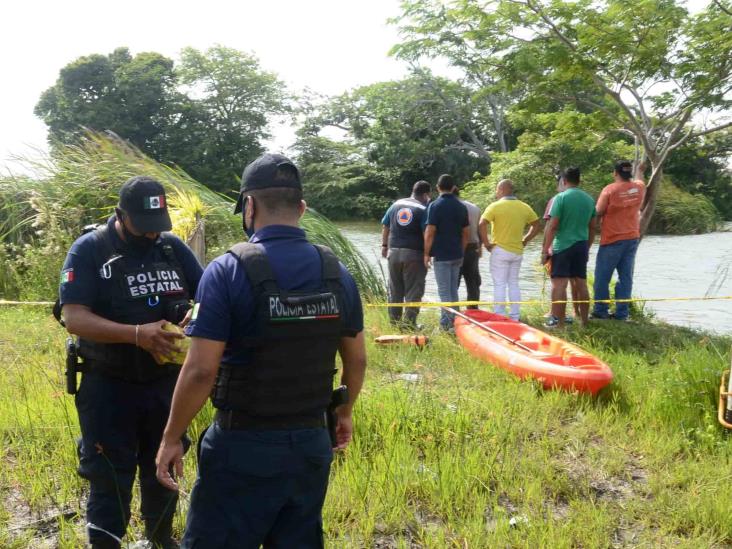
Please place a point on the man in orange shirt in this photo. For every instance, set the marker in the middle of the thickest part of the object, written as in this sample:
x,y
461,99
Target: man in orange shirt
x,y
618,212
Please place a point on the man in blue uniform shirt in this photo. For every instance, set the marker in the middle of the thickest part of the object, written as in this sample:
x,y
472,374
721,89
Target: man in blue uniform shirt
x,y
120,285
269,317
445,239
402,243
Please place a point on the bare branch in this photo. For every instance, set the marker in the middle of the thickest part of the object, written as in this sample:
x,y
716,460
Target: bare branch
x,y
669,144
644,117
722,7
711,130
477,143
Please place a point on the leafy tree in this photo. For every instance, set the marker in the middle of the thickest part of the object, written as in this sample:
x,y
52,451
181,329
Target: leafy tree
x,y
647,66
700,167
339,183
428,28
209,115
403,128
127,95
549,142
232,99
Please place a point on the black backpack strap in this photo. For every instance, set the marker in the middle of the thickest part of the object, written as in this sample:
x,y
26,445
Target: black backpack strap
x,y
256,265
102,237
330,263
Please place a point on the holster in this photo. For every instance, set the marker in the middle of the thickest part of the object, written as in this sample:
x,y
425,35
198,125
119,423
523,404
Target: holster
x,y
72,365
338,397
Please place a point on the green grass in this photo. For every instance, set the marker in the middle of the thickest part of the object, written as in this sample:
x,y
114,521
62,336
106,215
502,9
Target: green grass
x,y
448,460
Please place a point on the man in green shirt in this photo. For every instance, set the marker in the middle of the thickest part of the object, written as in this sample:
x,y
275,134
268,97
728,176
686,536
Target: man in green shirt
x,y
569,232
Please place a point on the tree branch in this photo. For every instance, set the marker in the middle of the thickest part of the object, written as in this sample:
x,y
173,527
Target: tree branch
x,y
711,130
722,7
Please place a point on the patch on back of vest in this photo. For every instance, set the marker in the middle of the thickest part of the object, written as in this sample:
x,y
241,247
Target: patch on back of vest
x,y
303,308
152,282
404,216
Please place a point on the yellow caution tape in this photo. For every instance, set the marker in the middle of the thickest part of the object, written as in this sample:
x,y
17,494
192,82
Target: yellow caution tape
x,y
543,302
467,303
6,302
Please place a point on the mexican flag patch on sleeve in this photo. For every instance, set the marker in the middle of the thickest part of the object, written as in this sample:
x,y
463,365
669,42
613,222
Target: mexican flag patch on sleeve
x,y
67,276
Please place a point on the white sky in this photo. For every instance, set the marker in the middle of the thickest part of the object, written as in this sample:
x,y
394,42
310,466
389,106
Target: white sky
x,y
327,45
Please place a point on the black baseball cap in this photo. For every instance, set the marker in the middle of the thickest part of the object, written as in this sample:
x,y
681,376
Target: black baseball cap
x,y
260,174
143,199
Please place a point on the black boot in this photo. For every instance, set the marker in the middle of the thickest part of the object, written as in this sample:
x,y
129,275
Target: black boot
x,y
160,533
104,543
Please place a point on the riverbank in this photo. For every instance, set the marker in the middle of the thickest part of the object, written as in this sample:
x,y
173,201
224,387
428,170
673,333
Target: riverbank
x,y
448,451
666,266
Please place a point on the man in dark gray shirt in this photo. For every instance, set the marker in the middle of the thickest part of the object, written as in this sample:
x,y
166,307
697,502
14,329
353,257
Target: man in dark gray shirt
x,y
402,243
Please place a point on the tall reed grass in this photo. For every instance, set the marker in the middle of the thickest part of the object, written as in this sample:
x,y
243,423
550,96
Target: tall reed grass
x,y
78,185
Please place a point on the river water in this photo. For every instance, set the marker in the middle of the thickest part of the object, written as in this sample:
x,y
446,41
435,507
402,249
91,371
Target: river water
x,y
666,266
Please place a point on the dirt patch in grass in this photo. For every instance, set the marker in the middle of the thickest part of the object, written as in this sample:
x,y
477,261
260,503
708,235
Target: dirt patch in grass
x,y
23,521
42,526
619,488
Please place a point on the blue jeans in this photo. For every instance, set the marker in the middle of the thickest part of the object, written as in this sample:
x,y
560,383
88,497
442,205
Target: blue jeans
x,y
618,256
447,275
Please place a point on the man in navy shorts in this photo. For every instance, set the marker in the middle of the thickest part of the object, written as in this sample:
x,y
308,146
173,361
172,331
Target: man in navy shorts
x,y
569,233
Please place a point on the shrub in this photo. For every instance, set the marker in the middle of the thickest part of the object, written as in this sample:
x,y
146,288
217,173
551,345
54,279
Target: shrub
x,y
679,212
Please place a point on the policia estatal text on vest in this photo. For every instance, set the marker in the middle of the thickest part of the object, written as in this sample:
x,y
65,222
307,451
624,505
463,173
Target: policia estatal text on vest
x,y
269,317
120,284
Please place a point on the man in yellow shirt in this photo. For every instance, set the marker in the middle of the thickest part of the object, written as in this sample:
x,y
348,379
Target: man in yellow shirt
x,y
508,217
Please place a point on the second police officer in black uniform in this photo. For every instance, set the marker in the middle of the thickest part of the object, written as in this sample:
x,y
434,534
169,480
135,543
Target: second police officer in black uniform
x,y
269,317
120,284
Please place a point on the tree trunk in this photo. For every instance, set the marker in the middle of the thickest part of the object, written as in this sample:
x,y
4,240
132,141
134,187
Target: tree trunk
x,y
652,189
197,240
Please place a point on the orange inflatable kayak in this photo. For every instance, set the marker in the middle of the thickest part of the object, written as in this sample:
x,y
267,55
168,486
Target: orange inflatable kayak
x,y
528,352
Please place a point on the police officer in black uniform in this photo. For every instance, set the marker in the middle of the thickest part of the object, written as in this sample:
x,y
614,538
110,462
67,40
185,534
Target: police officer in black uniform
x,y
269,317
120,284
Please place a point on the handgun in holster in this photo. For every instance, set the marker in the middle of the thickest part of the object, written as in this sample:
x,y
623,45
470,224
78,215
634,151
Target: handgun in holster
x,y
339,397
72,365
175,311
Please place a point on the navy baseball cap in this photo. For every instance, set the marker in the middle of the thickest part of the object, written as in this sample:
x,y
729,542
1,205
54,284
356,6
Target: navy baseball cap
x,y
261,174
143,199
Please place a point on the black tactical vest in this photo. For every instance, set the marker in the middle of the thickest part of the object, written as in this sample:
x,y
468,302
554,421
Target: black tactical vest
x,y
293,347
405,225
134,296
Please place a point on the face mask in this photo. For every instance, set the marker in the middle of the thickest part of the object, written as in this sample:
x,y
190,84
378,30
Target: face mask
x,y
140,244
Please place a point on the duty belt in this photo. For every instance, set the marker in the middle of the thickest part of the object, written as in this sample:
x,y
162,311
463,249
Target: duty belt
x,y
234,420
126,373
